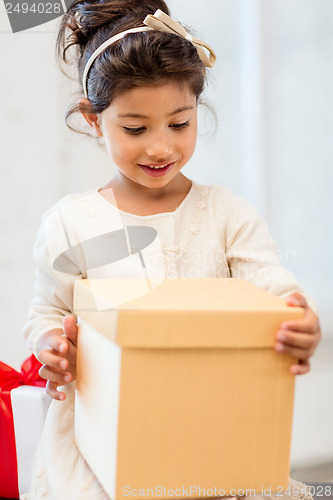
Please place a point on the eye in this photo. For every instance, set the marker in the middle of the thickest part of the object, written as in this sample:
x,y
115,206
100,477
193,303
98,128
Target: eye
x,y
179,126
133,131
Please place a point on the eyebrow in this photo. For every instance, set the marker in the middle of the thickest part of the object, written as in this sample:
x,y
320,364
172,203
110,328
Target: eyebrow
x,y
135,115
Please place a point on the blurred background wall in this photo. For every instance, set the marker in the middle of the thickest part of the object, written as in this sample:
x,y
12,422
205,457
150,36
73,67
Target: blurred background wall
x,y
272,91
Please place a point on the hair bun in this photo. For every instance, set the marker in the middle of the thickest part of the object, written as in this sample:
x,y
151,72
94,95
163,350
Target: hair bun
x,y
84,19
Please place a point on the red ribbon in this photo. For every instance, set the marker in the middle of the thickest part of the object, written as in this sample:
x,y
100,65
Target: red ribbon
x,y
10,379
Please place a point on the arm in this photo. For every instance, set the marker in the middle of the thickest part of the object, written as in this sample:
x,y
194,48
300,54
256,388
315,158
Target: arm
x,y
51,331
252,255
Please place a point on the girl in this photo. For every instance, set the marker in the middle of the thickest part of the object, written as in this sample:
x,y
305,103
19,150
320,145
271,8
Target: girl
x,y
142,76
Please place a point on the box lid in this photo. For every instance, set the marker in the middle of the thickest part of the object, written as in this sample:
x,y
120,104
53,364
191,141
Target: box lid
x,y
182,312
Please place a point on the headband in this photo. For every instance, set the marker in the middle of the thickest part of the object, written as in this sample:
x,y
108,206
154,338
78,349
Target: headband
x,y
160,21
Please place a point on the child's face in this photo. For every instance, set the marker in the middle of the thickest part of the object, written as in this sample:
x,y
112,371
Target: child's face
x,y
150,126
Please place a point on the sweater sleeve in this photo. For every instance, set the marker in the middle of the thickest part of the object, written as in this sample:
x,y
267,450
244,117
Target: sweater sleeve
x,y
53,294
251,252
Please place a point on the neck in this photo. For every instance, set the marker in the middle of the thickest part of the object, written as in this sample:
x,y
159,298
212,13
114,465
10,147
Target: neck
x,y
123,184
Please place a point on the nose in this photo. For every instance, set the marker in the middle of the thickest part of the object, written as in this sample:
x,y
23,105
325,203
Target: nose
x,y
160,146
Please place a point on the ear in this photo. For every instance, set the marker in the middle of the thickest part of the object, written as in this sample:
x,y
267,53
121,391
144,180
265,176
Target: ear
x,y
91,118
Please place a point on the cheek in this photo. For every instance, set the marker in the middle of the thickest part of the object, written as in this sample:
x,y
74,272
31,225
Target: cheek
x,y
121,148
188,142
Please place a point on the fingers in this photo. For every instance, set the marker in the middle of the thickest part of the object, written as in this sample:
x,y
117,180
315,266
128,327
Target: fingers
x,y
51,389
53,360
310,321
309,324
70,328
298,345
54,371
57,353
60,378
296,299
55,365
301,368
301,338
58,343
294,339
295,352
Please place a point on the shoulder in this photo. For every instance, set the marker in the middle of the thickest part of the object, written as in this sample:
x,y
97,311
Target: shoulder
x,y
62,219
235,218
226,203
70,205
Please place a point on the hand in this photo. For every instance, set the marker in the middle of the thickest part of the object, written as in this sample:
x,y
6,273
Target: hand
x,y
57,351
299,338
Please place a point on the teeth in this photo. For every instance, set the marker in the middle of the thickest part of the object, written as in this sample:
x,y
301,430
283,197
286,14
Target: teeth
x,y
162,166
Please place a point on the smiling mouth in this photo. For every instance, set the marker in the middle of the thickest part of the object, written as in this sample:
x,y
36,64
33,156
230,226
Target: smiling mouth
x,y
157,166
157,170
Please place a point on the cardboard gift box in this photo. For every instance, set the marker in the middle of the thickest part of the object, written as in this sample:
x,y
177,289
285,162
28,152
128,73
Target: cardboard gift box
x,y
179,390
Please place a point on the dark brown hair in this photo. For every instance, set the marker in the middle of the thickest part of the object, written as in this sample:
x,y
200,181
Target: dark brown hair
x,y
145,58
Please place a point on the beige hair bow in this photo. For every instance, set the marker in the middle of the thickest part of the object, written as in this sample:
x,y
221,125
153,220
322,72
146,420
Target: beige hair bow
x,y
160,21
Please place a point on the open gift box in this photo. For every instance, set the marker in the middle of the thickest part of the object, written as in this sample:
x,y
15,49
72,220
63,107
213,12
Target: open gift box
x,y
179,390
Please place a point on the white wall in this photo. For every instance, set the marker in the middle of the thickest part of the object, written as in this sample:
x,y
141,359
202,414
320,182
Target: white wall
x,y
40,162
291,56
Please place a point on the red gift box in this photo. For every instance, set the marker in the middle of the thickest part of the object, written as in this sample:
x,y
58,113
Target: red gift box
x,y
10,379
